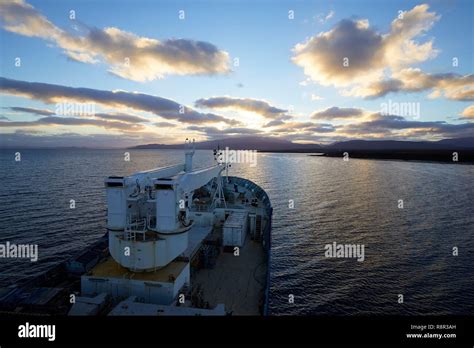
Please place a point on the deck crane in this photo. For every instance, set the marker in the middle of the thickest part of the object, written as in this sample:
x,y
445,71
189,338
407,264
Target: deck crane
x,y
148,211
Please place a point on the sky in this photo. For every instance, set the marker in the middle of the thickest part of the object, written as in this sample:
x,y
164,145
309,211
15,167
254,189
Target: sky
x,y
122,73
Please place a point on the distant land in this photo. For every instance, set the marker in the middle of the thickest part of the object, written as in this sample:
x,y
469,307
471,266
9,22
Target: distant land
x,y
377,149
263,144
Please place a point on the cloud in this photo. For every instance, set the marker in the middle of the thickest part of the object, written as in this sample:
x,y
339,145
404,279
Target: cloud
x,y
121,117
322,56
322,18
213,131
162,107
128,55
21,18
468,113
307,127
164,124
72,121
329,15
33,111
107,116
260,107
315,97
397,126
452,86
400,49
28,138
375,61
375,89
274,123
295,126
322,128
366,124
337,113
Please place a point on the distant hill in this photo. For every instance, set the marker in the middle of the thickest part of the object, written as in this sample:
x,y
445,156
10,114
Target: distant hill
x,y
385,145
439,151
270,144
243,143
461,142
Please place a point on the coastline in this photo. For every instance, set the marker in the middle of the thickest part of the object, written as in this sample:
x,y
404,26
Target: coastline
x,y
465,156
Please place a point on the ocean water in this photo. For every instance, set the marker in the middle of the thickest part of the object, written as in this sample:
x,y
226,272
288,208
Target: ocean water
x,y
408,251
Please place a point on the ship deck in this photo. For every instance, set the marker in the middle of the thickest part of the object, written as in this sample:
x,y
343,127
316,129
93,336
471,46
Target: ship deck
x,y
236,281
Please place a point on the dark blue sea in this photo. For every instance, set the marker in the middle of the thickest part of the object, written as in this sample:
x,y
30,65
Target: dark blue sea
x,y
408,251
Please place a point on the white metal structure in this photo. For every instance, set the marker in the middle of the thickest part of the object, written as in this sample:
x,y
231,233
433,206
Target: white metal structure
x,y
149,212
235,229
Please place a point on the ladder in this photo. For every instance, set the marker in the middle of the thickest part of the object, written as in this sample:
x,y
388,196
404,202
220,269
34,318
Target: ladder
x,y
134,228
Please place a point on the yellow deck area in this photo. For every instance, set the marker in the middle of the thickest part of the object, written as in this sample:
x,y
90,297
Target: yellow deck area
x,y
111,269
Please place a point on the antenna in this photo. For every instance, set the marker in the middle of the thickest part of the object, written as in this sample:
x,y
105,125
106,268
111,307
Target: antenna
x,y
189,153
